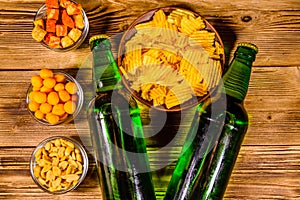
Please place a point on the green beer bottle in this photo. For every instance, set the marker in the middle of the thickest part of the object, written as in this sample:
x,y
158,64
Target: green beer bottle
x,y
213,183
116,131
205,175
194,157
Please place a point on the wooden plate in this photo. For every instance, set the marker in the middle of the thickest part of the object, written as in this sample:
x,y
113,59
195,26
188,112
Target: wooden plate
x,y
131,31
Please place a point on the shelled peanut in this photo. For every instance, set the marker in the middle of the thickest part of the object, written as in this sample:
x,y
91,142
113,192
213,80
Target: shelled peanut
x,y
59,165
53,98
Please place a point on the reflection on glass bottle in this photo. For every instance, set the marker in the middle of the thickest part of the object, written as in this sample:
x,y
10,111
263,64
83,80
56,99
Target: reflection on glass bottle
x,y
116,131
209,177
236,81
198,146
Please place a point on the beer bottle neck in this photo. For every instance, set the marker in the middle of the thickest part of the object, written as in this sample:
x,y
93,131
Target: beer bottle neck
x,y
105,70
236,79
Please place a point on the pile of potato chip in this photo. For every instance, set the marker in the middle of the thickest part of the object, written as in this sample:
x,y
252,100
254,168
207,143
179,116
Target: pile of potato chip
x,y
172,58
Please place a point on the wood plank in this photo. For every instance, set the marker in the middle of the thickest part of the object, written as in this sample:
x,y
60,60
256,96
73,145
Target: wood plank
x,y
265,105
260,185
261,172
252,157
257,184
274,30
268,163
18,184
272,168
273,106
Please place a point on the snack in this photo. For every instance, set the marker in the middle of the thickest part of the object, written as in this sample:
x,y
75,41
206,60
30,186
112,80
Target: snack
x,y
172,58
51,95
59,165
62,25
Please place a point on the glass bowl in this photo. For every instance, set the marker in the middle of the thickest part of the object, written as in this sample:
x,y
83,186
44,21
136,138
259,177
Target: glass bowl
x,y
143,25
48,161
70,117
42,14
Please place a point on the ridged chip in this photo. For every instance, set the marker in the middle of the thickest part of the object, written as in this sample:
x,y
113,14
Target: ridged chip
x,y
172,58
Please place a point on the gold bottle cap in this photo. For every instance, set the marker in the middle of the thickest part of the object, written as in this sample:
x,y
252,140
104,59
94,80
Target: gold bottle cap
x,y
96,37
249,45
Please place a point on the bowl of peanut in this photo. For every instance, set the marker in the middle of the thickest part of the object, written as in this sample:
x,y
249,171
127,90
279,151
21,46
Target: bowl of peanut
x,y
59,164
54,98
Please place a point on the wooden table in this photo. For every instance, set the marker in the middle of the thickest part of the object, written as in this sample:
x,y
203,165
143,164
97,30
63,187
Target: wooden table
x,y
268,166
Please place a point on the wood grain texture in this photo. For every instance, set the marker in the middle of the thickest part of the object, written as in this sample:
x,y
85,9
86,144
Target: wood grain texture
x,y
269,161
274,27
267,167
18,184
272,101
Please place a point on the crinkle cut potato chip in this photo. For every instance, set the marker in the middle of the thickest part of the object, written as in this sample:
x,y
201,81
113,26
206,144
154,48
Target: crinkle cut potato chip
x,y
173,57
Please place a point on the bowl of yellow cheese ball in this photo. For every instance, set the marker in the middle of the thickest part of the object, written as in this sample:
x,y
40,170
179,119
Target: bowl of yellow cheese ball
x,y
54,98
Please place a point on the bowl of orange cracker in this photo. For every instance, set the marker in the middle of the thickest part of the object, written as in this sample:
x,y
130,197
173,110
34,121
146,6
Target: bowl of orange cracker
x,y
54,98
60,25
171,58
